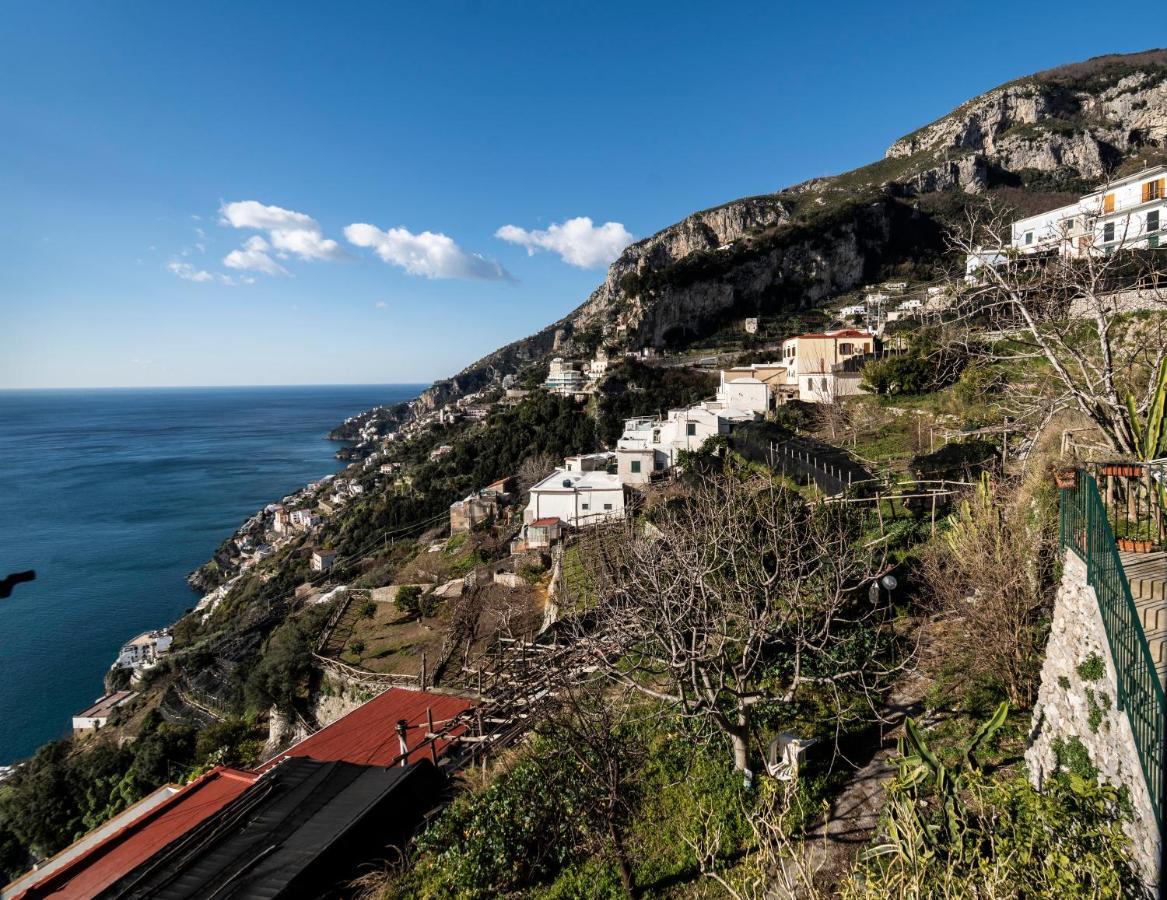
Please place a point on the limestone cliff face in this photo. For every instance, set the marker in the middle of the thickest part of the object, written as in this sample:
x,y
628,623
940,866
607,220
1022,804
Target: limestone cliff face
x,y
1086,122
766,254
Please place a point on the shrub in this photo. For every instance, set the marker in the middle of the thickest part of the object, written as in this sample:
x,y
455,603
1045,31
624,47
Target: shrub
x,y
407,599
1092,668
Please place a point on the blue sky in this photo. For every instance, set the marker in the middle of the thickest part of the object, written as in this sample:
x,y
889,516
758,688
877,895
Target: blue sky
x,y
180,182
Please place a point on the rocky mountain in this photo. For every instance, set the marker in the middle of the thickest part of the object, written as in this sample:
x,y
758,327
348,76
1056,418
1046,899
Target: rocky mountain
x,y
1047,136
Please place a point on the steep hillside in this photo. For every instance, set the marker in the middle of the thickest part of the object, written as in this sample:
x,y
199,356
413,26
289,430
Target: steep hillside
x,y
1037,141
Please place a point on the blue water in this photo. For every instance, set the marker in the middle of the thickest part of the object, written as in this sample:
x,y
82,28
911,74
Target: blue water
x,y
113,496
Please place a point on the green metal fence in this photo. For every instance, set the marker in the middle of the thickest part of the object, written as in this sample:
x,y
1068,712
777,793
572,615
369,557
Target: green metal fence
x,y
1086,531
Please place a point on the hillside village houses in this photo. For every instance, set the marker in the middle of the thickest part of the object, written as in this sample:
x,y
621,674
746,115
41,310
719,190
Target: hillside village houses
x,y
827,365
577,496
563,379
1128,212
144,651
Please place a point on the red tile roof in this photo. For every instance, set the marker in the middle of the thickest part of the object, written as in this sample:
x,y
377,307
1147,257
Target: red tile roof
x,y
95,868
368,734
550,520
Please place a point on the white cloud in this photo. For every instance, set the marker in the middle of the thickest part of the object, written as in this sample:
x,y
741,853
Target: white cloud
x,y
578,241
253,256
427,254
187,272
381,304
289,233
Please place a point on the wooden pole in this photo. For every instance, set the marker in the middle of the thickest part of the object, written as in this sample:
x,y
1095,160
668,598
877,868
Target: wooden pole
x,y
423,669
429,721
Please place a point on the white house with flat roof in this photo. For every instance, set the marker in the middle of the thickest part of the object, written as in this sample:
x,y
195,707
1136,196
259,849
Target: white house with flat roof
x,y
578,498
1128,212
104,708
682,429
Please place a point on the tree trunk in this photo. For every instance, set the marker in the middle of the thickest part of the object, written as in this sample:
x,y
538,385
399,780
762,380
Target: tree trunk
x,y
621,859
739,737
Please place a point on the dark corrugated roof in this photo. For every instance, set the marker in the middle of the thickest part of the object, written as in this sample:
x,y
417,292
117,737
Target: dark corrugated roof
x,y
303,828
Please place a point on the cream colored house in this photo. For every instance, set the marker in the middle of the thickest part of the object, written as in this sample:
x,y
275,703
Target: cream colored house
x,y
824,366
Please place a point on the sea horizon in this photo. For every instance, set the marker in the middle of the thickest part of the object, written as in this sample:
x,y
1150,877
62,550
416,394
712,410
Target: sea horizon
x,y
114,495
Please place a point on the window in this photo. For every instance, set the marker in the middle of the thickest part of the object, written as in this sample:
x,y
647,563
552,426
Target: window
x,y
1029,237
691,429
1153,190
824,384
607,506
1108,232
1153,241
584,506
846,349
1152,221
1108,203
635,467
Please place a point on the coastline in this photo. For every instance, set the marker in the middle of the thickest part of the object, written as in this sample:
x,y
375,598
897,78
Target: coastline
x,y
153,482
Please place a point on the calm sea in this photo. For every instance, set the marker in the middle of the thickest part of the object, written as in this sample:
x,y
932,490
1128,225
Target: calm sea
x,y
113,496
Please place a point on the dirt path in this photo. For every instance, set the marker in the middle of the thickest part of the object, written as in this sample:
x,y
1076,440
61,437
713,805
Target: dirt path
x,y
833,845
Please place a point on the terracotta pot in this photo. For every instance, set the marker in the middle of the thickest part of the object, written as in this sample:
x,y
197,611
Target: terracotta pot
x,y
1134,545
1121,470
1066,479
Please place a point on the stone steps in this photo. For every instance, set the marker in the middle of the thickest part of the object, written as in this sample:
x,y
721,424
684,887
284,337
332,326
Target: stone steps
x,y
1147,575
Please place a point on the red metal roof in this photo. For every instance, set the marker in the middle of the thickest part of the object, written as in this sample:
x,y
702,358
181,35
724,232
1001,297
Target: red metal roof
x,y
94,869
368,734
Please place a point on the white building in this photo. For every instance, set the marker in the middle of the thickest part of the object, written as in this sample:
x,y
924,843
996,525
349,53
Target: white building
x,y
745,391
144,650
1129,212
304,518
854,311
322,560
683,429
588,462
562,379
578,498
98,715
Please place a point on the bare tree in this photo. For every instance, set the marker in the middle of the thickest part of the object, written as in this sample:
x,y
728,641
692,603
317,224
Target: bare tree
x,y
596,727
740,593
1068,305
991,576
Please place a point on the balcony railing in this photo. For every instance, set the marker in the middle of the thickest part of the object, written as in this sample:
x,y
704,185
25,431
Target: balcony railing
x,y
1086,529
1130,493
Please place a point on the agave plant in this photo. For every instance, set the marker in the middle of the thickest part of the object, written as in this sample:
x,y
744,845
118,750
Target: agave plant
x,y
926,813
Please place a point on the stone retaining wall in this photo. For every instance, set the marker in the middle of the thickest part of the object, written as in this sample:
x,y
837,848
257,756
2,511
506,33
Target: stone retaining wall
x,y
1077,711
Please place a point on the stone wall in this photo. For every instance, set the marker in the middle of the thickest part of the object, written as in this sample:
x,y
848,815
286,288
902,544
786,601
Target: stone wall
x,y
1077,715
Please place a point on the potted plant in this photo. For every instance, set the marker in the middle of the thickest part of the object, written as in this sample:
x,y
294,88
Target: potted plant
x,y
1122,470
1134,537
1066,478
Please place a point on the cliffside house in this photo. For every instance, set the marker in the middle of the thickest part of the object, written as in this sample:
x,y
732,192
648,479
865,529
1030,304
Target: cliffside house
x,y
1128,212
576,497
322,559
439,452
305,519
563,379
103,709
759,387
281,521
824,366
145,650
481,506
682,429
